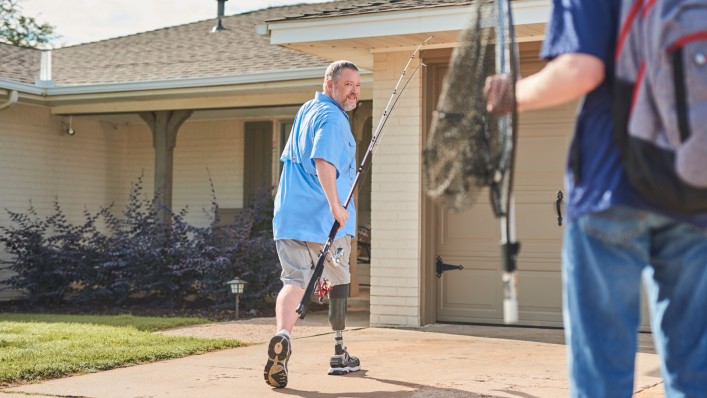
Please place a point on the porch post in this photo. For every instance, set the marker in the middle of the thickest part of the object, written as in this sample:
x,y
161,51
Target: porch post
x,y
164,126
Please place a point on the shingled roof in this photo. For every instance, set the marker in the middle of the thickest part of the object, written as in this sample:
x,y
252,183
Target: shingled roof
x,y
191,50
370,7
187,51
20,64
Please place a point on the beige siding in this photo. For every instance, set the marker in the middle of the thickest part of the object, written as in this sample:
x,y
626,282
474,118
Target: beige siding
x,y
98,165
203,147
206,148
38,162
395,203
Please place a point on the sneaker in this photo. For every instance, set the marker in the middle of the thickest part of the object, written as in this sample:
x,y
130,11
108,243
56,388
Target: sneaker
x,y
343,363
279,352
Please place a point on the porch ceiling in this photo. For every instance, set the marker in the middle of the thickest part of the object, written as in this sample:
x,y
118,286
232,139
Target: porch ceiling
x,y
361,50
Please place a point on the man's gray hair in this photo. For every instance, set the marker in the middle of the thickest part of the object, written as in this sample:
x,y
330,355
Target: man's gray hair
x,y
333,71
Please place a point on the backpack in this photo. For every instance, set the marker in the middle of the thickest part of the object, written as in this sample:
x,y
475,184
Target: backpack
x,y
660,101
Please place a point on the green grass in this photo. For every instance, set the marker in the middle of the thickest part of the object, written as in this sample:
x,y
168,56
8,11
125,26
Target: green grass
x,y
144,323
36,347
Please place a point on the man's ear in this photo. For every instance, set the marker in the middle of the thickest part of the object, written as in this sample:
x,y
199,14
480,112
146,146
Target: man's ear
x,y
329,85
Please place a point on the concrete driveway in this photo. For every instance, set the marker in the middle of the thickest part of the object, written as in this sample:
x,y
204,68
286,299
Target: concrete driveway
x,y
433,361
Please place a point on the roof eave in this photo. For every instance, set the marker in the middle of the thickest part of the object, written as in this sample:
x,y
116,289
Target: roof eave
x,y
198,93
294,33
394,22
151,85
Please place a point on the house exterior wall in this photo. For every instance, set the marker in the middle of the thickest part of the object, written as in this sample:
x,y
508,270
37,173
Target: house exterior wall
x,y
395,293
99,165
39,162
204,148
209,148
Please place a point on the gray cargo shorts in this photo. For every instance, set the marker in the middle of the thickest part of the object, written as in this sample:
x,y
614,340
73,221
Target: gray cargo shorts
x,y
298,257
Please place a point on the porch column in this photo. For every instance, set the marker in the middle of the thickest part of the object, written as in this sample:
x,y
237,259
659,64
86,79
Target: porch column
x,y
164,126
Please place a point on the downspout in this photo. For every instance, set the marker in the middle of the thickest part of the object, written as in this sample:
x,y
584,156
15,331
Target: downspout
x,y
14,95
45,79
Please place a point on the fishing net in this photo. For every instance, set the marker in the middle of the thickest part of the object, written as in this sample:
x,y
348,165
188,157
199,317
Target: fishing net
x,y
469,148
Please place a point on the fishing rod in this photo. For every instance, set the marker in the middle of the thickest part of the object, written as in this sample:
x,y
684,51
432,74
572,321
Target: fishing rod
x,y
360,175
507,63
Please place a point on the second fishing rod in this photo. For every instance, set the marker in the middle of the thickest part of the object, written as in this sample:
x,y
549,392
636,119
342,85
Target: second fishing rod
x,y
360,175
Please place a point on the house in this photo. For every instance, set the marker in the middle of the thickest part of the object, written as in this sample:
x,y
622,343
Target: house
x,y
126,99
231,95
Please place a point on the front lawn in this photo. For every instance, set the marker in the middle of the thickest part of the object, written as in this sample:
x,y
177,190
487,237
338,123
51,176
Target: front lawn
x,y
34,347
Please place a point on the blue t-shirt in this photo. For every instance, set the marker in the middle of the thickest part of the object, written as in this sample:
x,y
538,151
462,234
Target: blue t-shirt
x,y
590,27
321,130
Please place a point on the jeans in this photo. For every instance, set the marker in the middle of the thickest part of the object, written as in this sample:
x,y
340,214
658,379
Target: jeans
x,y
605,256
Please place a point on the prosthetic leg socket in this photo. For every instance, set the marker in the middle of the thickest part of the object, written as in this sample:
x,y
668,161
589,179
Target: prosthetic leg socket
x,y
338,298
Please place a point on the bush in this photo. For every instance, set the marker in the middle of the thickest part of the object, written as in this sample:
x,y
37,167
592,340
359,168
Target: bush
x,y
34,262
141,254
256,259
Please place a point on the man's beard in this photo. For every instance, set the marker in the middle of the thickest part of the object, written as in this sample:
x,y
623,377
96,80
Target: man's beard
x,y
344,102
350,105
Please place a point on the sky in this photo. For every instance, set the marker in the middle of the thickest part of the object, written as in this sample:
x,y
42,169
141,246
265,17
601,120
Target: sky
x,y
83,21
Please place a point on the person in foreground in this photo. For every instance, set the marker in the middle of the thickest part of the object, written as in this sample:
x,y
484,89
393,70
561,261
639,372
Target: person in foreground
x,y
319,169
614,236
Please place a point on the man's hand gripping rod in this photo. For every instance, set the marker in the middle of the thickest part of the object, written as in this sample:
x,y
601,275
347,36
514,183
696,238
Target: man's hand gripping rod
x,y
360,175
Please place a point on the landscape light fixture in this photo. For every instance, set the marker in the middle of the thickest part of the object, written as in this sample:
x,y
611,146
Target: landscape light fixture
x,y
237,287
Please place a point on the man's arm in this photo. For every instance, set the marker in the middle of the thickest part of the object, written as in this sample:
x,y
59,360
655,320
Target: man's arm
x,y
565,78
326,172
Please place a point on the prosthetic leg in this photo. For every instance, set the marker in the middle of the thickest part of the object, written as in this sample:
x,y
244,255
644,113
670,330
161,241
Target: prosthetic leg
x,y
341,362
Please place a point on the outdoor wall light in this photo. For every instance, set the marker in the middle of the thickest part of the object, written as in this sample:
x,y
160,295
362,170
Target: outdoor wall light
x,y
237,287
69,128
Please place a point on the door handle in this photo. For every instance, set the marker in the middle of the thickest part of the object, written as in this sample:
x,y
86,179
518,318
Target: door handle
x,y
558,207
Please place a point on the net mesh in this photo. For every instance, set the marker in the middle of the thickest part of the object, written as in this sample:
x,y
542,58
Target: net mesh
x,y
467,149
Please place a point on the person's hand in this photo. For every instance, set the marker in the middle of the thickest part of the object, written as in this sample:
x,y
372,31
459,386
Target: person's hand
x,y
499,98
340,214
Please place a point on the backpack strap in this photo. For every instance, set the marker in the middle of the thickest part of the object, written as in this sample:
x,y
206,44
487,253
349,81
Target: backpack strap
x,y
575,158
680,94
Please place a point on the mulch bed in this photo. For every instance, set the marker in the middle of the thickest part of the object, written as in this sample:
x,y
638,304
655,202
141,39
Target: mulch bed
x,y
140,308
134,308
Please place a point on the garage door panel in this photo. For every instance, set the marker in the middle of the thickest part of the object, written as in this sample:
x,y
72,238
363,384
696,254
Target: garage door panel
x,y
536,263
531,260
471,231
551,117
473,292
539,222
540,296
471,238
544,154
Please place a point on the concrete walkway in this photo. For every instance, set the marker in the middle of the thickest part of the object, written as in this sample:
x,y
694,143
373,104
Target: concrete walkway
x,y
433,361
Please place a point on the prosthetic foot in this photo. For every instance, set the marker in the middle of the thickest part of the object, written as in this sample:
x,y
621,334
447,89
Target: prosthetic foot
x,y
341,362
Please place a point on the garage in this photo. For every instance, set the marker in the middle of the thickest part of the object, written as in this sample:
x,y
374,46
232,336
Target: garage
x,y
470,238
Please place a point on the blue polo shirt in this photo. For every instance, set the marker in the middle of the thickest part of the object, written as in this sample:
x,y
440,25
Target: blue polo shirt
x,y
321,130
590,27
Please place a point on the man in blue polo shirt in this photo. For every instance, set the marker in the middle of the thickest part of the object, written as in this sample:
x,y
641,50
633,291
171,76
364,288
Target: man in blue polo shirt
x,y
319,169
613,236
